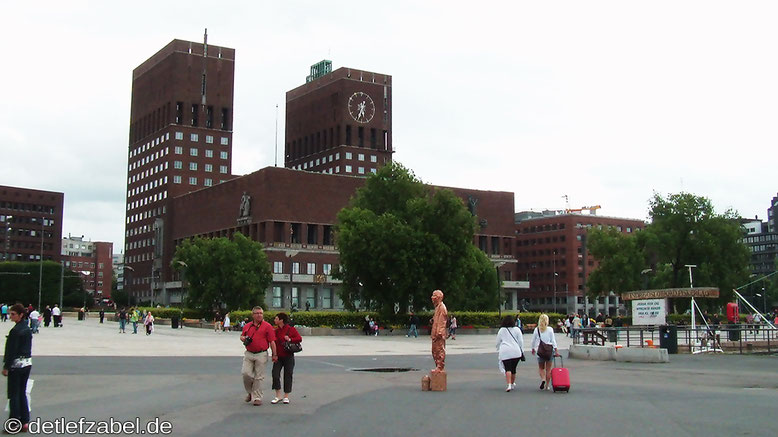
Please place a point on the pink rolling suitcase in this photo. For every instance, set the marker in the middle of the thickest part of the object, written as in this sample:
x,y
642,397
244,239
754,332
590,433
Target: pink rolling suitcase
x,y
560,377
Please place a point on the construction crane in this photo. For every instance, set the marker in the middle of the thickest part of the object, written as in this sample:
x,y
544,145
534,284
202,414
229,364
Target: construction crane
x,y
592,209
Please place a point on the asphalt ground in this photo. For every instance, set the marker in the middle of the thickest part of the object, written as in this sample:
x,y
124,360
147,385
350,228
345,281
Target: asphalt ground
x,y
700,395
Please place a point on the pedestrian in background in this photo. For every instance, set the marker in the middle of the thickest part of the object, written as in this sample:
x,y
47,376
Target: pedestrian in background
x,y
56,313
284,333
149,323
102,315
134,318
217,322
510,349
226,326
17,363
4,312
413,321
122,320
34,321
47,316
452,327
544,341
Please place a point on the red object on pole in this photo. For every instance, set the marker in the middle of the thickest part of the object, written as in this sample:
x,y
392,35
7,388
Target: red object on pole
x,y
732,312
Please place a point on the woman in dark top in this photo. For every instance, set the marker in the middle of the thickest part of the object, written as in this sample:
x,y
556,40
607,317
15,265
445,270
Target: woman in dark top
x,y
284,332
17,364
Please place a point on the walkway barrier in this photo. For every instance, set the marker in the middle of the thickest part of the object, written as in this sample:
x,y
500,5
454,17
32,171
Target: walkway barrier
x,y
740,338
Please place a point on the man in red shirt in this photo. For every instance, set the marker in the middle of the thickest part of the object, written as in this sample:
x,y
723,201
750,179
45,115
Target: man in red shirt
x,y
262,337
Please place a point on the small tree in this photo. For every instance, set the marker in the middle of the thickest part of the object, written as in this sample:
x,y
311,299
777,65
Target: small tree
x,y
220,272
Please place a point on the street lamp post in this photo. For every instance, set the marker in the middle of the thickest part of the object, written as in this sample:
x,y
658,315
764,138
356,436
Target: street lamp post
x,y
40,270
126,288
291,254
553,253
764,300
183,278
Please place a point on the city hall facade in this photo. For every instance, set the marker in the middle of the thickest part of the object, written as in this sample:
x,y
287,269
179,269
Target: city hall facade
x,y
180,183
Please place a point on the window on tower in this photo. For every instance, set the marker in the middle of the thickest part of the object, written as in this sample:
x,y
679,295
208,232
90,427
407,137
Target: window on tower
x,y
225,121
179,112
209,117
195,113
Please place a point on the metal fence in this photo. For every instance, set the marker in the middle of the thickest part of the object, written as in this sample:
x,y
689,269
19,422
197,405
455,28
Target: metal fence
x,y
725,338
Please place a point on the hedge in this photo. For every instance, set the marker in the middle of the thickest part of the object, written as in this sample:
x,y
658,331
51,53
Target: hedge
x,y
334,319
343,319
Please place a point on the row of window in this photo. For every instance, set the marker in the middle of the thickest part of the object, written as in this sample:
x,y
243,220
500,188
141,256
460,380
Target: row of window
x,y
143,147
762,248
139,258
208,138
326,269
178,165
207,182
154,212
761,238
194,151
318,161
27,220
149,171
534,241
147,186
21,206
146,200
306,298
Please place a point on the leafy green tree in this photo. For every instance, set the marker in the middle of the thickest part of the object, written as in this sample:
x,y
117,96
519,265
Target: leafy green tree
x,y
220,271
621,260
684,230
400,239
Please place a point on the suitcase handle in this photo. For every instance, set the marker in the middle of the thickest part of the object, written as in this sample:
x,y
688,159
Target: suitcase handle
x,y
560,359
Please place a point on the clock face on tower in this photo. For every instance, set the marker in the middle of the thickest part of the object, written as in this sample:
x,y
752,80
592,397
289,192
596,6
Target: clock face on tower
x,y
361,107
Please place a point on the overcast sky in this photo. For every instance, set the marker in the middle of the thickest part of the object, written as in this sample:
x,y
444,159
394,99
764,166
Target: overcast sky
x,y
605,102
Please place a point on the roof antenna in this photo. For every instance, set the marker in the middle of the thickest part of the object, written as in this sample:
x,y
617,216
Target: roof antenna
x,y
276,134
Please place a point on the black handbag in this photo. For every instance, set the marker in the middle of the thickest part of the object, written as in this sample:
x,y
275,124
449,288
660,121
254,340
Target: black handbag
x,y
545,350
292,348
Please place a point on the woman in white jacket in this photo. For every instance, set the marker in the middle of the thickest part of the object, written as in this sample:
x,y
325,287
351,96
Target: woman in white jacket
x,y
545,334
510,347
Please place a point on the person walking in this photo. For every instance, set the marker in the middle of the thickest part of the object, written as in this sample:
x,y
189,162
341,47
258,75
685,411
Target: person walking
x,y
56,313
17,363
544,341
413,321
4,312
284,333
149,323
217,322
576,326
257,337
102,315
47,316
510,349
134,318
452,328
34,321
122,320
226,326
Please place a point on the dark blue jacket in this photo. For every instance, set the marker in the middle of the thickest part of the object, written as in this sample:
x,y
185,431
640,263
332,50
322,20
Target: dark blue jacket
x,y
18,344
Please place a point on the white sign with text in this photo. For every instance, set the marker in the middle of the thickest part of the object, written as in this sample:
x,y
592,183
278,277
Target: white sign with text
x,y
649,311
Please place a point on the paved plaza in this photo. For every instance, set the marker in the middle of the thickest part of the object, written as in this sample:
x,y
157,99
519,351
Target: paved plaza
x,y
191,378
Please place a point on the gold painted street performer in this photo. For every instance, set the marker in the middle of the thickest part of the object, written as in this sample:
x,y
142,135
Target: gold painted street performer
x,y
438,331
